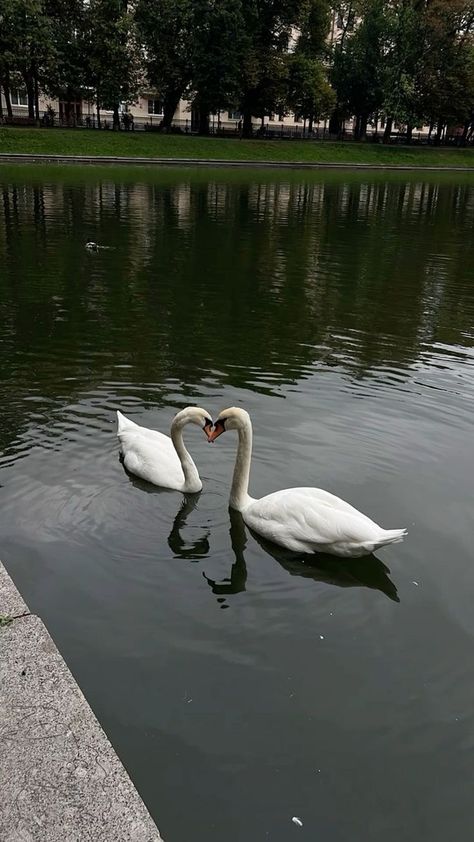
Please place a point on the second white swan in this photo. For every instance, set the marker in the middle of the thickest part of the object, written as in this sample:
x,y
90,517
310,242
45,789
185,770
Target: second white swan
x,y
159,459
305,520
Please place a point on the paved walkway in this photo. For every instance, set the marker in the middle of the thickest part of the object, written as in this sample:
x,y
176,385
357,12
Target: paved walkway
x,y
60,778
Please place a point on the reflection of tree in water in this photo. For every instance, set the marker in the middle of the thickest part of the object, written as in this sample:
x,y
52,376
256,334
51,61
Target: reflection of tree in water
x,y
368,572
226,274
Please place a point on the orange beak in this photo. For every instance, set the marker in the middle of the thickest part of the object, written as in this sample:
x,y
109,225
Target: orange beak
x,y
217,431
208,429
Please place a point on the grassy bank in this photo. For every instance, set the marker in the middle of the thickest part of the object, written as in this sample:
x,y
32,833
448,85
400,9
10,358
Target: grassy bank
x,y
141,144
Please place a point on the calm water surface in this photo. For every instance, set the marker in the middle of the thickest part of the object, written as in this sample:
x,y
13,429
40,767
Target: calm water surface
x,y
240,686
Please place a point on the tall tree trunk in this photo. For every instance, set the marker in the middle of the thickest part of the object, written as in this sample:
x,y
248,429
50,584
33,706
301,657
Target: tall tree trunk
x,y
1,104
356,127
310,123
388,130
247,129
465,132
363,126
36,87
409,133
116,119
6,91
170,105
203,121
30,92
439,129
335,122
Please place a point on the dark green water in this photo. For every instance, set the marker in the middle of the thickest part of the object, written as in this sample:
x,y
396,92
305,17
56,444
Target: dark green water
x,y
239,686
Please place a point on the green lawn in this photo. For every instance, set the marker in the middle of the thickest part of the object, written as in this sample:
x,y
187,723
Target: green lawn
x,y
141,144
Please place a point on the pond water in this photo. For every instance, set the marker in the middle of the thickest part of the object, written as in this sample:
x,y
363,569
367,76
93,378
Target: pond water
x,y
239,686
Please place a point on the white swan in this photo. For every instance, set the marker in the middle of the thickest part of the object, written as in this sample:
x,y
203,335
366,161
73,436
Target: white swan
x,y
301,519
159,459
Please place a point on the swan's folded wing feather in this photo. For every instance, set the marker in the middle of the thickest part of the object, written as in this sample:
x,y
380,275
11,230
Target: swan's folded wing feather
x,y
311,517
154,460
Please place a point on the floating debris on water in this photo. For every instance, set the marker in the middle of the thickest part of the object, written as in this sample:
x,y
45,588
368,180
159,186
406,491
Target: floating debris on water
x,y
415,583
321,637
297,821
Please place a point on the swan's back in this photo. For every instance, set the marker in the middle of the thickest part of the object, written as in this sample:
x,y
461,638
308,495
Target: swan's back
x,y
149,454
126,426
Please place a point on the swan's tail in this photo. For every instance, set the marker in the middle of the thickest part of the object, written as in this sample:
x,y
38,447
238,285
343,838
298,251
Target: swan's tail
x,y
124,423
391,536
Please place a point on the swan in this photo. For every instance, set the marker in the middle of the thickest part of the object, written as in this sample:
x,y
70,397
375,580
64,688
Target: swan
x,y
301,519
159,459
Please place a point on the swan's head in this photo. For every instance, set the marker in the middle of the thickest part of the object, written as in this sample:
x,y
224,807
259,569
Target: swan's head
x,y
233,418
194,415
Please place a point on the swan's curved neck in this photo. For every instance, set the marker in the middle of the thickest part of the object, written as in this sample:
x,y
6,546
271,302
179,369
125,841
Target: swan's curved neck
x,y
192,480
239,496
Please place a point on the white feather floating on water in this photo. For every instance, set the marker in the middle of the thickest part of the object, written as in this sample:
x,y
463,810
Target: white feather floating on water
x,y
297,821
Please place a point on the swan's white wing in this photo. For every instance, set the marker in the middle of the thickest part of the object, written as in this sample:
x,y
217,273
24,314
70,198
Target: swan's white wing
x,y
309,519
125,425
316,495
153,458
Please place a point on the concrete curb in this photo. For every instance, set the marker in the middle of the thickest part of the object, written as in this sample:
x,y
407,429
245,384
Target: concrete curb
x,y
60,778
15,158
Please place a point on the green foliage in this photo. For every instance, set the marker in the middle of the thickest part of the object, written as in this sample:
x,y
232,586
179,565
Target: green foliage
x,y
113,52
411,60
309,92
165,29
359,66
67,75
268,29
216,48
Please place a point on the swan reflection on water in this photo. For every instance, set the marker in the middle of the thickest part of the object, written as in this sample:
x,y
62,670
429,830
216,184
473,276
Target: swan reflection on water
x,y
364,572
367,571
193,551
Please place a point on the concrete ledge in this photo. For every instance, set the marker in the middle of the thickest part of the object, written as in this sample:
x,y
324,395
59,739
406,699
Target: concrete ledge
x,y
60,778
16,158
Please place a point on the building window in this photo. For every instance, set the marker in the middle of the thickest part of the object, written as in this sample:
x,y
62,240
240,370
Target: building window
x,y
19,97
235,115
155,106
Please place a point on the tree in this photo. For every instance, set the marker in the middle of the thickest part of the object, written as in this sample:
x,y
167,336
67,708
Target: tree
x,y
27,46
113,55
406,51
267,34
215,56
165,29
447,81
309,92
359,67
67,77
